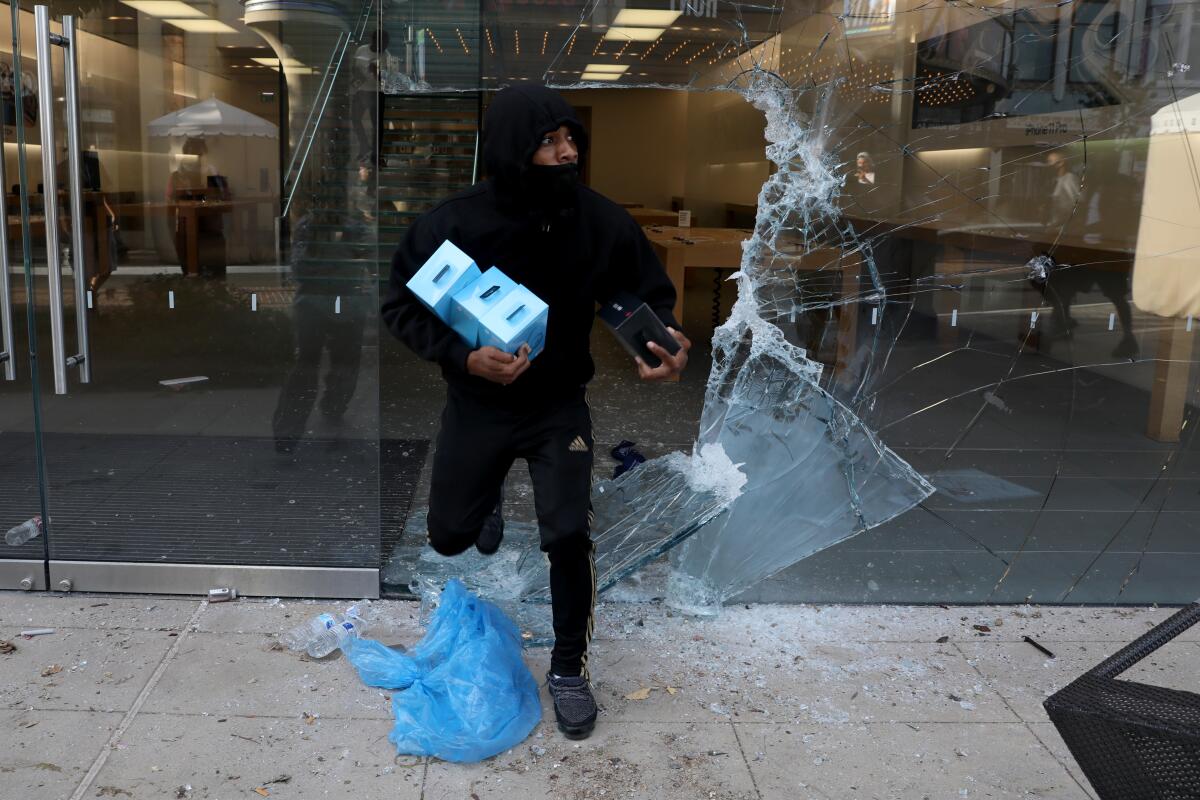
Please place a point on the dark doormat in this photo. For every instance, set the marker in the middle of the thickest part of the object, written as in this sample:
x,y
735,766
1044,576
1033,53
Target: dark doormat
x,y
400,465
213,499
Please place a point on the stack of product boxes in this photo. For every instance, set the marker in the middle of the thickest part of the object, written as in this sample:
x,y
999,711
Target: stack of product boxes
x,y
485,309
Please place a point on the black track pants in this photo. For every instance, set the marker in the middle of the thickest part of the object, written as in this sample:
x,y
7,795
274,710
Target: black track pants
x,y
476,447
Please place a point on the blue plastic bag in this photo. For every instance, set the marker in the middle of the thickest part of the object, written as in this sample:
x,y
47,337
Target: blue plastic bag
x,y
468,694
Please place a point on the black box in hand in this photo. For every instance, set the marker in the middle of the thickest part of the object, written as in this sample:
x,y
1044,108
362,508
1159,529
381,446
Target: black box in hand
x,y
635,325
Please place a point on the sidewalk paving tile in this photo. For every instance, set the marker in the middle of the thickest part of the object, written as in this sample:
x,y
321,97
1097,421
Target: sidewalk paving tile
x,y
22,611
761,624
44,754
81,669
397,619
795,702
664,761
231,757
848,682
252,674
1048,735
913,762
1026,677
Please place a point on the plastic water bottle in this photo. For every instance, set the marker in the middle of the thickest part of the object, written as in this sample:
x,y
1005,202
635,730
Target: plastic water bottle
x,y
301,636
363,610
21,534
336,636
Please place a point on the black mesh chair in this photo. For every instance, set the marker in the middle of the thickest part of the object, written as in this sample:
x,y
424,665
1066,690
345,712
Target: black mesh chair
x,y
1133,741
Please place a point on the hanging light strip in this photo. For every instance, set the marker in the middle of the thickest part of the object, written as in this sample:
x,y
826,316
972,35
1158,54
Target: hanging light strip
x,y
435,41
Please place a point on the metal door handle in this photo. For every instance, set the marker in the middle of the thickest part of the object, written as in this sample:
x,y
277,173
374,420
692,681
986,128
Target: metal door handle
x,y
45,75
75,165
7,343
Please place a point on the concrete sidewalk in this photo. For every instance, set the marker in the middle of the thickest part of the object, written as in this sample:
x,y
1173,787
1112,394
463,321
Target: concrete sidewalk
x,y
150,697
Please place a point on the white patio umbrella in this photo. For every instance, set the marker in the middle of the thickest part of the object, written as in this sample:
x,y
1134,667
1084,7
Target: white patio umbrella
x,y
212,117
241,147
1166,270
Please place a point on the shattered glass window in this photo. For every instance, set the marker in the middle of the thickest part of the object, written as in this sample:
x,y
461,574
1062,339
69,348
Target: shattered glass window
x,y
953,257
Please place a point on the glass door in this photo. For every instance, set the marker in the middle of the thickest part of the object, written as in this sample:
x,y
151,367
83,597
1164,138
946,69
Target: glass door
x,y
206,396
24,560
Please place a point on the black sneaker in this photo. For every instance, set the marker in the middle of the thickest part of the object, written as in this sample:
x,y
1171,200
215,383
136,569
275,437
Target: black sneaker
x,y
492,533
574,706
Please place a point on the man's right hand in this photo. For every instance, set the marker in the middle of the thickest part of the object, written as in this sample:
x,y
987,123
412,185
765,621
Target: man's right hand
x,y
497,366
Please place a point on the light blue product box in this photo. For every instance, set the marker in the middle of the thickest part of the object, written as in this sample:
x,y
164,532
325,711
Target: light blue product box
x,y
520,318
472,303
446,272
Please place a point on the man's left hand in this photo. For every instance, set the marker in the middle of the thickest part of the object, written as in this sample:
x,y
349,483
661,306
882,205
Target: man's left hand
x,y
671,365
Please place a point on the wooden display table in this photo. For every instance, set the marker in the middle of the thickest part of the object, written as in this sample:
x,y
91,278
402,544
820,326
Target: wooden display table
x,y
95,229
653,216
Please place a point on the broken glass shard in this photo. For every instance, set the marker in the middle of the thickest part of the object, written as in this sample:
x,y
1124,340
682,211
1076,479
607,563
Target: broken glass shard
x,y
816,475
646,512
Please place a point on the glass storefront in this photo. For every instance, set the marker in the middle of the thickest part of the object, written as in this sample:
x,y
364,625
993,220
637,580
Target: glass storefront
x,y
194,446
969,226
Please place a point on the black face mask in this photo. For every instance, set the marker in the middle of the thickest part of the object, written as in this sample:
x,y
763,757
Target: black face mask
x,y
551,189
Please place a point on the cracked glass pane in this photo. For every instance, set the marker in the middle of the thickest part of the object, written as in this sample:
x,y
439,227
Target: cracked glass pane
x,y
961,239
646,512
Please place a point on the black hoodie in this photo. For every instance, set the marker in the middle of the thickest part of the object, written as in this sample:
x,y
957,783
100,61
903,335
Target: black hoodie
x,y
569,245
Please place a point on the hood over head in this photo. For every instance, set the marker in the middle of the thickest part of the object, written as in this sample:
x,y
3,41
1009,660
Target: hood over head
x,y
513,126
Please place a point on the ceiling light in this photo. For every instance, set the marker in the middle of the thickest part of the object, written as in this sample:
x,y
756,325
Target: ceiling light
x,y
615,69
165,8
634,34
600,76
646,18
201,25
118,19
274,62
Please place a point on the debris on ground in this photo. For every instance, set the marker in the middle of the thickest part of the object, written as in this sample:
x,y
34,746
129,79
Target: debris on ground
x,y
53,669
178,384
640,694
1038,646
7,647
29,634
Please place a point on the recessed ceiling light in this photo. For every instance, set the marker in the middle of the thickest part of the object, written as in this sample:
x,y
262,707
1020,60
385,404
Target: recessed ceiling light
x,y
646,17
274,62
616,69
165,8
201,25
634,34
600,76
119,19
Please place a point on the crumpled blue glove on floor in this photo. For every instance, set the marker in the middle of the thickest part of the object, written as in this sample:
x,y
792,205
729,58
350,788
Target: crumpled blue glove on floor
x,y
628,456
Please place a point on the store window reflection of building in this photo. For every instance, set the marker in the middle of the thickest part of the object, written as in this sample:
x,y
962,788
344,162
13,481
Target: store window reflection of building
x,y
329,312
